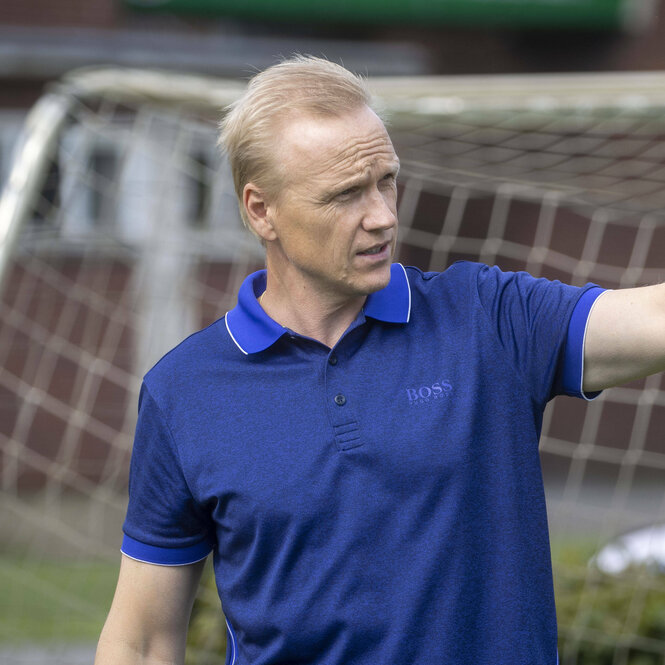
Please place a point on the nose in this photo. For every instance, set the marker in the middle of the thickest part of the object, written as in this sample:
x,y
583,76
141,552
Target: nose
x,y
380,212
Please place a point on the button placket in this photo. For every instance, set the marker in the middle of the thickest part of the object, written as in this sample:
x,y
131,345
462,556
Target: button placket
x,y
343,419
340,398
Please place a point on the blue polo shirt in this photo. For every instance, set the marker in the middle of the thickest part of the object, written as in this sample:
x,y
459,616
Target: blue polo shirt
x,y
380,502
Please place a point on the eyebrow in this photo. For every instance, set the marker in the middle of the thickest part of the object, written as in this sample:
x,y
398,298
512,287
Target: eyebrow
x,y
359,180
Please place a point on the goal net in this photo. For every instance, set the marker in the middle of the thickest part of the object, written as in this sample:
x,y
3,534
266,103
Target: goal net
x,y
119,235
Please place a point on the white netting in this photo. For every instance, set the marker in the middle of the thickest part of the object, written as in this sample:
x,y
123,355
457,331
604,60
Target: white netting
x,y
130,239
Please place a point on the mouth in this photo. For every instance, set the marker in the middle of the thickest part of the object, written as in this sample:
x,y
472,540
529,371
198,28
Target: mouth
x,y
375,249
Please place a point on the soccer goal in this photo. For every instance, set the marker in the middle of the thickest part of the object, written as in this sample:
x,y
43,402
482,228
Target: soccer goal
x,y
120,235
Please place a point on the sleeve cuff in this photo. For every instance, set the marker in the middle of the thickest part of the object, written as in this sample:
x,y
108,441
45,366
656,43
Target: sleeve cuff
x,y
573,366
164,556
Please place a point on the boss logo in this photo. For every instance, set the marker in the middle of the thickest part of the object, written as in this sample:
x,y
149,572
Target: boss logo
x,y
423,394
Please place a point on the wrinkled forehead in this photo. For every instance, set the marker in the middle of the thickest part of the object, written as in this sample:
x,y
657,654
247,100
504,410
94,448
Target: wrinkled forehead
x,y
333,147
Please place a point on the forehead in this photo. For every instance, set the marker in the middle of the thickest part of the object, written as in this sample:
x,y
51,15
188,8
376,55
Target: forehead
x,y
333,148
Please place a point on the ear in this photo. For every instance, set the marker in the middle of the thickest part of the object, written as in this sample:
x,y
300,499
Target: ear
x,y
258,211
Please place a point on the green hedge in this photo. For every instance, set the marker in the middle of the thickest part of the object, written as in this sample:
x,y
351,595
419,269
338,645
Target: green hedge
x,y
605,620
206,641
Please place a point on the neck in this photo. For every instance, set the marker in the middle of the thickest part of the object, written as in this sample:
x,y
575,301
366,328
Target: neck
x,y
309,312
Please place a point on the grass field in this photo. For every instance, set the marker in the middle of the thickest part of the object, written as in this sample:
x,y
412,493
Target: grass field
x,y
54,601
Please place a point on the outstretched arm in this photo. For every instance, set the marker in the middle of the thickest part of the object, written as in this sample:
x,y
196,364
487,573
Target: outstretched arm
x,y
625,337
149,616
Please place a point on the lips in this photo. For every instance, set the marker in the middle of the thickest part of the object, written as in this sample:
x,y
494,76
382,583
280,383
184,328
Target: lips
x,y
375,249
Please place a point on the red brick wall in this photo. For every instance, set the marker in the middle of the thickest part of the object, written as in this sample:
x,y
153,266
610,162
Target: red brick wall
x,y
50,13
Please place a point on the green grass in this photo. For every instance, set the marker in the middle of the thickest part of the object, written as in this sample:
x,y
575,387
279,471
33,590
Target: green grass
x,y
54,601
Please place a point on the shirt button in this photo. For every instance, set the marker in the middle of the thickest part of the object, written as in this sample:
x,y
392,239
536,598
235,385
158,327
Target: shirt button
x,y
340,400
332,360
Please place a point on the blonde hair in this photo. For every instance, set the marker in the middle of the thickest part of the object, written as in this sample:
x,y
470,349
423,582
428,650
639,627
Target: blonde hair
x,y
300,84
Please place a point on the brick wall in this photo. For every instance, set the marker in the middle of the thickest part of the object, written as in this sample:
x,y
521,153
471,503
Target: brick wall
x,y
47,13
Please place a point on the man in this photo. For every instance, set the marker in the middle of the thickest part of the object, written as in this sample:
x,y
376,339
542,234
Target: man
x,y
356,442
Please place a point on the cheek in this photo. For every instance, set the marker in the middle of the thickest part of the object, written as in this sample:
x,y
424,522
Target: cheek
x,y
302,227
330,229
344,228
390,197
315,237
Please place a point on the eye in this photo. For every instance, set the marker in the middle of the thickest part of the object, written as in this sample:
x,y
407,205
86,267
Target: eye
x,y
346,194
389,178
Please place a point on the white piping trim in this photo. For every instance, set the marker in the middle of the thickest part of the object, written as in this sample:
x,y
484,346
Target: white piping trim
x,y
234,649
164,565
586,326
408,286
226,323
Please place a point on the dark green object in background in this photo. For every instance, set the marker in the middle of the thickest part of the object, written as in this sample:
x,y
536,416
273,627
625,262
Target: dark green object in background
x,y
564,14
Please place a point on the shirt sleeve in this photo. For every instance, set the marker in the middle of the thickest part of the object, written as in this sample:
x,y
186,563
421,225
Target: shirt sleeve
x,y
164,524
572,374
541,325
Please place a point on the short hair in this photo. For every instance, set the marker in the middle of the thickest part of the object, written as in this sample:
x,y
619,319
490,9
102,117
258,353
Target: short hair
x,y
300,84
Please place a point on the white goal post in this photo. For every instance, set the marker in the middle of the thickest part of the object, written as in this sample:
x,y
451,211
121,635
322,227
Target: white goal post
x,y
120,235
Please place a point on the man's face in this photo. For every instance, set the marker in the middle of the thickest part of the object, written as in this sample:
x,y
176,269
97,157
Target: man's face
x,y
335,219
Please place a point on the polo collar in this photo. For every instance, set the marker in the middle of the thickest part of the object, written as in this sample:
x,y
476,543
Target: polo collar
x,y
253,330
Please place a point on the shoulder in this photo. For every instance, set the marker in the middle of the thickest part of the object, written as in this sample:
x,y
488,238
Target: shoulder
x,y
469,288
453,287
443,300
185,365
482,284
455,271
459,274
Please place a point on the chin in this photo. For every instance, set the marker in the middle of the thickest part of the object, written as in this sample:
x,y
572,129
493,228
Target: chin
x,y
375,283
